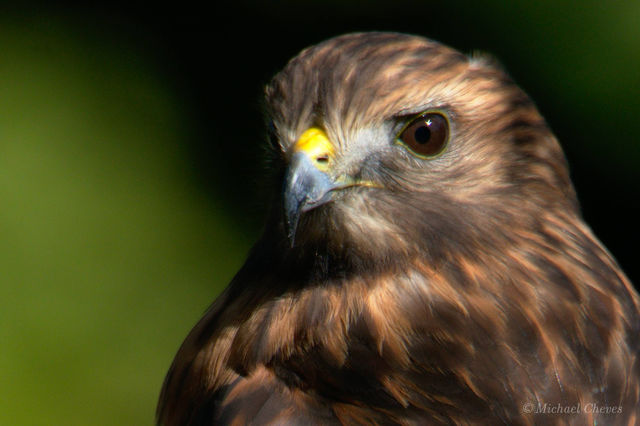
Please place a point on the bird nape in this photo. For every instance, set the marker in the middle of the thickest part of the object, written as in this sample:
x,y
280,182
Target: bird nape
x,y
424,261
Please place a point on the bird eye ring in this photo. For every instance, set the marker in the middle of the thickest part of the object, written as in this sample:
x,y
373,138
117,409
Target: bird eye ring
x,y
425,136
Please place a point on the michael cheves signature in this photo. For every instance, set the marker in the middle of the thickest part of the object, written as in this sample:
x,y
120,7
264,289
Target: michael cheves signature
x,y
546,408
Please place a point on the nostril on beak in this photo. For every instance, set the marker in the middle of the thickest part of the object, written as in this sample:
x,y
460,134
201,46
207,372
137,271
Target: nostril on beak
x,y
323,159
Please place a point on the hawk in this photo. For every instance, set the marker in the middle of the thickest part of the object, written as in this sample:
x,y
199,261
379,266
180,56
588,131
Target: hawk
x,y
424,261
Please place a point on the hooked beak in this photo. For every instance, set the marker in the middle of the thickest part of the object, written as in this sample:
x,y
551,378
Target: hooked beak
x,y
307,183
306,188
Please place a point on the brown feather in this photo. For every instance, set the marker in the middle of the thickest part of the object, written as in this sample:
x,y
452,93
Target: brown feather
x,y
462,290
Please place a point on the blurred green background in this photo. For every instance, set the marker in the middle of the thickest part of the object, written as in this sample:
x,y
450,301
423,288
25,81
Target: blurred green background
x,y
130,165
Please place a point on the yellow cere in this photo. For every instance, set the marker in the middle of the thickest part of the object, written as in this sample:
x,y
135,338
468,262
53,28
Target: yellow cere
x,y
315,143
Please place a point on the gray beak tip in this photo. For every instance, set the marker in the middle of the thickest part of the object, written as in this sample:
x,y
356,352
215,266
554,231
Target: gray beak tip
x,y
305,188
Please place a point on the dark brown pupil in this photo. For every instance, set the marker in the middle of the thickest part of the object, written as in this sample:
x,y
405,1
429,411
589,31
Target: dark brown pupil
x,y
422,134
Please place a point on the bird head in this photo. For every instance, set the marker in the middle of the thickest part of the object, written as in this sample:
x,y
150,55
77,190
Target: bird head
x,y
397,144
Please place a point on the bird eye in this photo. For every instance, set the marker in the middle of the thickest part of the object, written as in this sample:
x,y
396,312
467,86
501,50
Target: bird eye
x,y
427,135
